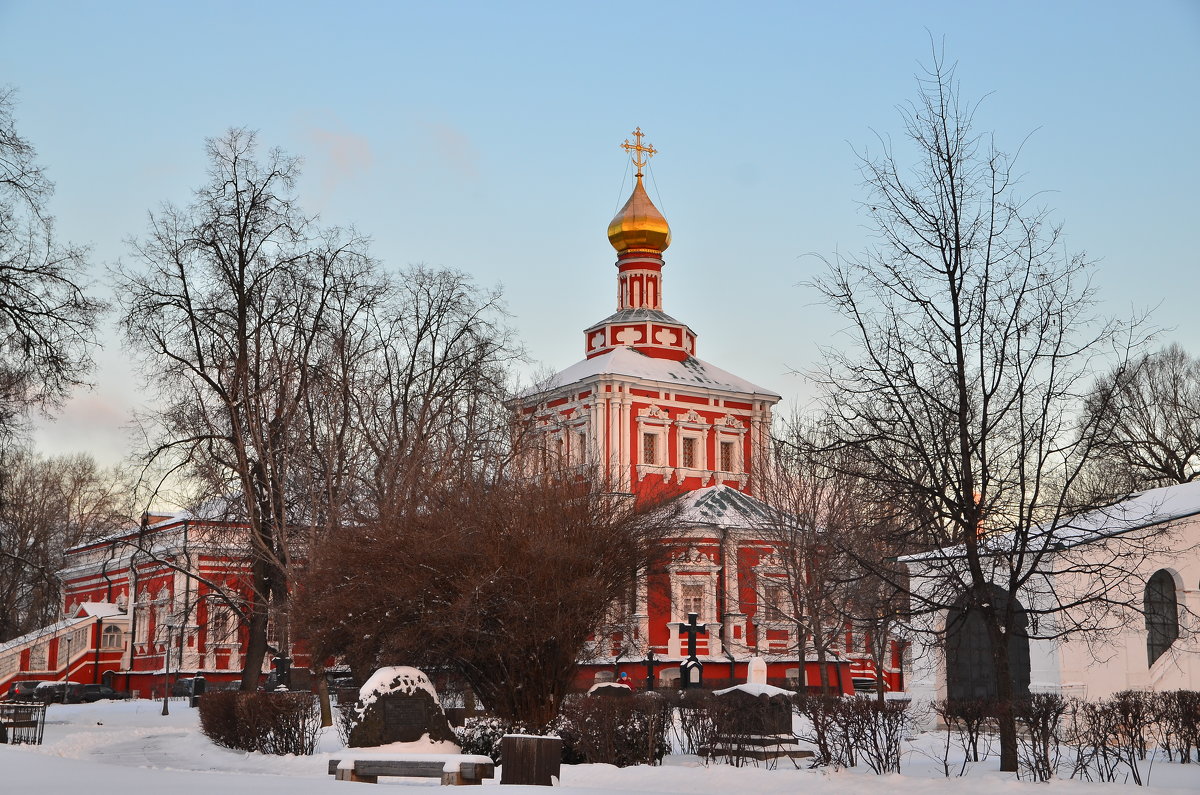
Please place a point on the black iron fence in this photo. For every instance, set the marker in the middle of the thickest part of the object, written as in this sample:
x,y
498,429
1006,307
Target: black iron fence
x,y
22,722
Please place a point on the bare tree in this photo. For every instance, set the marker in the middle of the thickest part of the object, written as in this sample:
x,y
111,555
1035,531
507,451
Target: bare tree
x,y
228,307
974,344
48,505
832,540
47,321
804,581
1148,422
502,574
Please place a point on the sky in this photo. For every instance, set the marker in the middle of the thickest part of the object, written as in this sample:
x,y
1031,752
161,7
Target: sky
x,y
484,136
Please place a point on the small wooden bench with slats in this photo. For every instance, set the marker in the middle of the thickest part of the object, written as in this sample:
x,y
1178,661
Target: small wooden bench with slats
x,y
452,769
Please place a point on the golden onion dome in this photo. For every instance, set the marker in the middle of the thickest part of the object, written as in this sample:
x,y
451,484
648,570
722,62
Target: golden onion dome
x,y
639,224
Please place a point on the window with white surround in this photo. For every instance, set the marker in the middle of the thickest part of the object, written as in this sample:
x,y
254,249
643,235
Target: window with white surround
x,y
1161,607
112,637
774,602
687,456
694,586
649,448
727,456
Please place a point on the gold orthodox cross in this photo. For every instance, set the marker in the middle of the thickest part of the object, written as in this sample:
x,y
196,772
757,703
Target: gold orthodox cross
x,y
637,151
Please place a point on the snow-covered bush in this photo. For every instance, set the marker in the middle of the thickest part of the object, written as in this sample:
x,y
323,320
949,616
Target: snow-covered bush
x,y
270,723
483,735
1039,716
617,730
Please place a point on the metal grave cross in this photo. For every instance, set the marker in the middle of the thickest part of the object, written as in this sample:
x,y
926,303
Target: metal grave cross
x,y
692,629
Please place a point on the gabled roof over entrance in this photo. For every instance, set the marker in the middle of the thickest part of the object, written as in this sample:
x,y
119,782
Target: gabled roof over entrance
x,y
722,506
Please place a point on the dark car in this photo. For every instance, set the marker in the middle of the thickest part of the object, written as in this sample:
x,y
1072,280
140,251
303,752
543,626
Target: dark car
x,y
185,686
90,693
57,692
23,690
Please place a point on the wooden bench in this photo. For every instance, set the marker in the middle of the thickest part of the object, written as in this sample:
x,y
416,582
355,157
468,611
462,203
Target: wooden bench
x,y
452,769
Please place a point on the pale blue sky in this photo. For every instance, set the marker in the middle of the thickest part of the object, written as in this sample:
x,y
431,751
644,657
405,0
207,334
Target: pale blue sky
x,y
484,137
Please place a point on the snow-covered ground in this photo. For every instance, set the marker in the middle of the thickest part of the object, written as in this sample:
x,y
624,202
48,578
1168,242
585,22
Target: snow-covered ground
x,y
129,747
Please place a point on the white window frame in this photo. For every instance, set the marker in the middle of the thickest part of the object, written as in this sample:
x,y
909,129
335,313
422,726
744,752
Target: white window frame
x,y
694,567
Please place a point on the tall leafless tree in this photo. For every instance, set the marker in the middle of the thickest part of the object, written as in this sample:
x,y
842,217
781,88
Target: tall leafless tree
x,y
831,538
811,506
47,320
228,305
974,343
48,505
1148,418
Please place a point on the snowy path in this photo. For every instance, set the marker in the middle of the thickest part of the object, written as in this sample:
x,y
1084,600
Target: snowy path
x,y
129,747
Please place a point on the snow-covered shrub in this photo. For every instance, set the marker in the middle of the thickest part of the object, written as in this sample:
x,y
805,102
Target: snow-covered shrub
x,y
695,726
1177,717
880,727
617,730
483,735
965,718
1039,716
847,730
218,718
270,723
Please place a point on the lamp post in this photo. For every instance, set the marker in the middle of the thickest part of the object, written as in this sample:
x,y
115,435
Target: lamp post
x,y
167,672
67,670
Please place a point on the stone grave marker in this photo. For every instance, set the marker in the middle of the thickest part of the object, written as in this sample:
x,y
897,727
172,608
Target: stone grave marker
x,y
398,705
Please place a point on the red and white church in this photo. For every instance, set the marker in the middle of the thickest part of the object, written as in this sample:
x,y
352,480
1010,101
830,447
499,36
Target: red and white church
x,y
661,419
640,401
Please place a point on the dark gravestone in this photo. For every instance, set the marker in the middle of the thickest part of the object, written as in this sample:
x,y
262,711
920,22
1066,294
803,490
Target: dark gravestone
x,y
757,714
753,721
530,760
398,705
404,718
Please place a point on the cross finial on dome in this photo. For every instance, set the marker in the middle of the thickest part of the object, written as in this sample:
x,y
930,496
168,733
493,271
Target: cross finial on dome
x,y
637,151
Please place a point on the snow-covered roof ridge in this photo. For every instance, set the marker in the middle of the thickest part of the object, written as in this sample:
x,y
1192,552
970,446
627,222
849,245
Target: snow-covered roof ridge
x,y
756,689
625,361
98,609
722,506
635,316
1137,511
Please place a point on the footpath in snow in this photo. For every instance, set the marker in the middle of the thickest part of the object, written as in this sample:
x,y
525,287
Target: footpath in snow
x,y
126,747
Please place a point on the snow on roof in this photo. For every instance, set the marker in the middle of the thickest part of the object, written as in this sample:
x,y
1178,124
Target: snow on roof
x,y
98,610
1139,510
635,316
722,506
48,631
756,689
629,362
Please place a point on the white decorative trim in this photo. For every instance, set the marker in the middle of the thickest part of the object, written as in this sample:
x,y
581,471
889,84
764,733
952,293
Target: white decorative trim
x,y
653,412
693,567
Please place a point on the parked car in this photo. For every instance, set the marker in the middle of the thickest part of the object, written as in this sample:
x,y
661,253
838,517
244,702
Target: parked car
x,y
53,692
184,687
23,690
89,693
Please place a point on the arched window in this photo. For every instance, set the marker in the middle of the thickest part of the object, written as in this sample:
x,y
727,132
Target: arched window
x,y
112,638
970,667
1162,614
